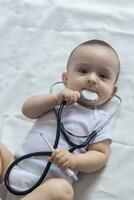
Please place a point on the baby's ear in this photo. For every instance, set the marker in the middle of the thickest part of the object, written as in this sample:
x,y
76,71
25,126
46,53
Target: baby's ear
x,y
65,77
115,88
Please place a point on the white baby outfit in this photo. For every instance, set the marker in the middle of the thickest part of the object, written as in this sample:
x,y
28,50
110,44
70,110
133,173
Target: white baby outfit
x,y
76,119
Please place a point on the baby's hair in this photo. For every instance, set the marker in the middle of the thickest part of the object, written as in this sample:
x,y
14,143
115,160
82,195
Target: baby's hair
x,y
101,43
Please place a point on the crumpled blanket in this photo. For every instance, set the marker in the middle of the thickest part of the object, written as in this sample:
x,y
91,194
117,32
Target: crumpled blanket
x,y
36,38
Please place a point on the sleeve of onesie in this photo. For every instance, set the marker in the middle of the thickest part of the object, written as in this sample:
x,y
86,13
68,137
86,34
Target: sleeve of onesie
x,y
106,132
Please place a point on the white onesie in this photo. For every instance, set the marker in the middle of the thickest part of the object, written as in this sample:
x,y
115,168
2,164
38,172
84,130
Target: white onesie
x,y
78,120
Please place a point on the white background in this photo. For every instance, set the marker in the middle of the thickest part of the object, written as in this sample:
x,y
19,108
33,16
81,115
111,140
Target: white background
x,y
36,37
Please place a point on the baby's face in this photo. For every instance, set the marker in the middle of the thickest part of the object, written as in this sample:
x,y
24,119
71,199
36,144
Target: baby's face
x,y
93,67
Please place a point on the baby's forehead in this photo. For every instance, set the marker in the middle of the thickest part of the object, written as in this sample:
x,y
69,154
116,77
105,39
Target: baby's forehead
x,y
93,52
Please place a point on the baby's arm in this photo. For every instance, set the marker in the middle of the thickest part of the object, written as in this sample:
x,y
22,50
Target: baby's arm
x,y
95,158
92,160
36,106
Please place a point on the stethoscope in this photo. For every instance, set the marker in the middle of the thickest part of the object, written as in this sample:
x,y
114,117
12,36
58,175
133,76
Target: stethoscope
x,y
93,96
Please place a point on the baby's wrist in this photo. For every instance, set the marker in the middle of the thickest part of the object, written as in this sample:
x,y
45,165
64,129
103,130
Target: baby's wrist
x,y
74,162
58,100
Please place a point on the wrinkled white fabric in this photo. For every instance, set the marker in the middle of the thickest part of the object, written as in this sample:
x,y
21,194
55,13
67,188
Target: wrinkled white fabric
x,y
36,38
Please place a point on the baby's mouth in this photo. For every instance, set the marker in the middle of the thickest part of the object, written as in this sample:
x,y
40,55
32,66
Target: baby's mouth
x,y
89,95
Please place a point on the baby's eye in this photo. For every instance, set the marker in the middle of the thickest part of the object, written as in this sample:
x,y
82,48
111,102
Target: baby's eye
x,y
103,76
83,71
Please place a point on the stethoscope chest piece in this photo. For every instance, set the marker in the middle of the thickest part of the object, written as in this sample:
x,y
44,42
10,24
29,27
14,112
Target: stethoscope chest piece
x,y
89,95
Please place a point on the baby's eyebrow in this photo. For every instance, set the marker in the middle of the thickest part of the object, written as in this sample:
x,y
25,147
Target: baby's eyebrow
x,y
105,70
83,64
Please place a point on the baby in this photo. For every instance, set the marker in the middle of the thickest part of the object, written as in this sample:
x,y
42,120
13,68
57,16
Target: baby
x,y
92,66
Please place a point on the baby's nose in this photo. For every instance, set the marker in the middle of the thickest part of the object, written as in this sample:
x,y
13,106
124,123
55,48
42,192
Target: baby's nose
x,y
92,79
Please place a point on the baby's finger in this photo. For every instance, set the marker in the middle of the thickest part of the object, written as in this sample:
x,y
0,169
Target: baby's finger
x,y
65,166
73,97
77,95
56,155
61,161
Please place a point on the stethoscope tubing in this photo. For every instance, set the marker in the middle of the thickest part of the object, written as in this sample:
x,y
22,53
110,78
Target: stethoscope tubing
x,y
46,169
13,164
60,129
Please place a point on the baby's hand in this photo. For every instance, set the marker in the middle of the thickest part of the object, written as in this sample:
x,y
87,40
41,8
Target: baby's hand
x,y
64,159
67,95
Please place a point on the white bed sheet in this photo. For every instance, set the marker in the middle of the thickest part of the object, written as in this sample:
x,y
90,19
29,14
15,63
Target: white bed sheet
x,y
36,37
